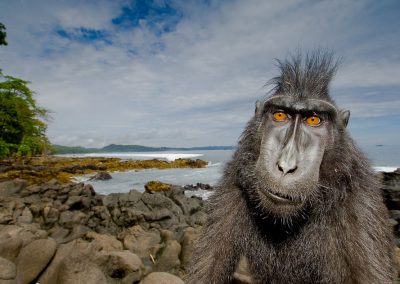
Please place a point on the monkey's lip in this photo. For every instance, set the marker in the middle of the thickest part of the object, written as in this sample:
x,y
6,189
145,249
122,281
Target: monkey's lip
x,y
283,198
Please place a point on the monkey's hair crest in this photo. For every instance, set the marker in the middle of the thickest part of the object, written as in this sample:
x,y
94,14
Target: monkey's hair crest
x,y
306,75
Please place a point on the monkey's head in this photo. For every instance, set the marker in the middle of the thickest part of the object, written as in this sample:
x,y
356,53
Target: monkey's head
x,y
294,130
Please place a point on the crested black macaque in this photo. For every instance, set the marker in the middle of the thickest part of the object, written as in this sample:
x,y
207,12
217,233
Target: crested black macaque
x,y
298,199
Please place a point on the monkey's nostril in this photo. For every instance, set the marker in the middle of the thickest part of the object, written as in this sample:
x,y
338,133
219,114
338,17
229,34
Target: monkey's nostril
x,y
292,170
286,168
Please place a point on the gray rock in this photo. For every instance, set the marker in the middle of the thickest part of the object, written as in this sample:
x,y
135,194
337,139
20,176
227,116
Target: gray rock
x,y
189,240
77,232
77,202
393,222
10,247
103,242
395,214
161,278
26,216
11,187
101,176
33,258
157,201
168,258
50,215
77,268
121,264
144,244
7,269
51,273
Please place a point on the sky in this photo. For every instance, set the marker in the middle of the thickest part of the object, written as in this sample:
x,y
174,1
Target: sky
x,y
188,73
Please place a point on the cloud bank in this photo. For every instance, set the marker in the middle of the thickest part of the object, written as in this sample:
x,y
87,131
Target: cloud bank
x,y
187,73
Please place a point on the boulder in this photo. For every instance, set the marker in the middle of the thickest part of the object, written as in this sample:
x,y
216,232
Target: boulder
x,y
101,176
168,258
122,265
26,216
78,268
103,242
77,202
34,258
7,269
10,246
144,244
11,187
161,278
50,274
6,214
189,239
156,201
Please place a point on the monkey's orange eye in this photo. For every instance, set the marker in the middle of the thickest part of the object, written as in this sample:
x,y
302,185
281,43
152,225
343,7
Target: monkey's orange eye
x,y
313,120
280,116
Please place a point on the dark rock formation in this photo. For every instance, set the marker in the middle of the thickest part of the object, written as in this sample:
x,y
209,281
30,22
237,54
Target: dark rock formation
x,y
101,176
58,233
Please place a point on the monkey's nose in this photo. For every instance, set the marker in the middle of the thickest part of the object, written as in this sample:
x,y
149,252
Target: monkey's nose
x,y
287,167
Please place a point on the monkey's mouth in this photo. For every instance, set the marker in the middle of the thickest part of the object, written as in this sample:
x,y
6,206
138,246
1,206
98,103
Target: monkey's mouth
x,y
283,198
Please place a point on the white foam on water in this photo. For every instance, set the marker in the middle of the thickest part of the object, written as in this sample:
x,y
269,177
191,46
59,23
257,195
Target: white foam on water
x,y
385,169
203,194
130,156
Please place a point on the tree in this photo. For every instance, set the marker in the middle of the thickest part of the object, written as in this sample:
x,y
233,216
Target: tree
x,y
22,122
3,35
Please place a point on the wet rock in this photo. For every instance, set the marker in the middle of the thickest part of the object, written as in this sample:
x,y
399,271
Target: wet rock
x,y
34,258
101,176
198,186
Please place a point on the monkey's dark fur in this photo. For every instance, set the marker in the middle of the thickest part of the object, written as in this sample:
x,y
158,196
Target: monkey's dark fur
x,y
339,234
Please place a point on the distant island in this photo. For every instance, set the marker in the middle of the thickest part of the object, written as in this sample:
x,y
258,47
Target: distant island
x,y
112,148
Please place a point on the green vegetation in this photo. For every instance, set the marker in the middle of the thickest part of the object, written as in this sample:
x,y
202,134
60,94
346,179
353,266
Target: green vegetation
x,y
156,186
58,149
22,121
3,35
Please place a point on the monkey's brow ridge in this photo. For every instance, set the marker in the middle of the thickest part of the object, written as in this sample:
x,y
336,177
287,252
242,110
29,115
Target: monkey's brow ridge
x,y
309,104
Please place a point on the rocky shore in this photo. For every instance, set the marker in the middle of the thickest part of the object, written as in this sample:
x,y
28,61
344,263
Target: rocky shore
x,y
66,233
57,232
39,169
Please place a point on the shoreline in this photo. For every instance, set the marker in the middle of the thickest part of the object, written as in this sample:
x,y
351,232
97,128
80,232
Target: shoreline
x,y
63,169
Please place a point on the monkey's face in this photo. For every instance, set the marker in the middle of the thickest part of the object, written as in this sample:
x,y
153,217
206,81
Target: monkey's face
x,y
295,133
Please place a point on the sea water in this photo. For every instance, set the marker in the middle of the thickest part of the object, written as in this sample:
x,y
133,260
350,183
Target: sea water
x,y
383,158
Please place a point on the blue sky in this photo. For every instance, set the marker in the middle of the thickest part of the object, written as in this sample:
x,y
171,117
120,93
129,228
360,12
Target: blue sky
x,y
187,73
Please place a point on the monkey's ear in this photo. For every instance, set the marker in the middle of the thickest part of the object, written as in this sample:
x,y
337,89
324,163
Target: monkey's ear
x,y
258,110
344,116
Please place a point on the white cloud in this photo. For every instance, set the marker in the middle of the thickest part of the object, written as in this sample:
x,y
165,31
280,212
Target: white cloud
x,y
193,86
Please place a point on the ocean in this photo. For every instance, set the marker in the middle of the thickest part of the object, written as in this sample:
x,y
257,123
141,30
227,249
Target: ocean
x,y
383,158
